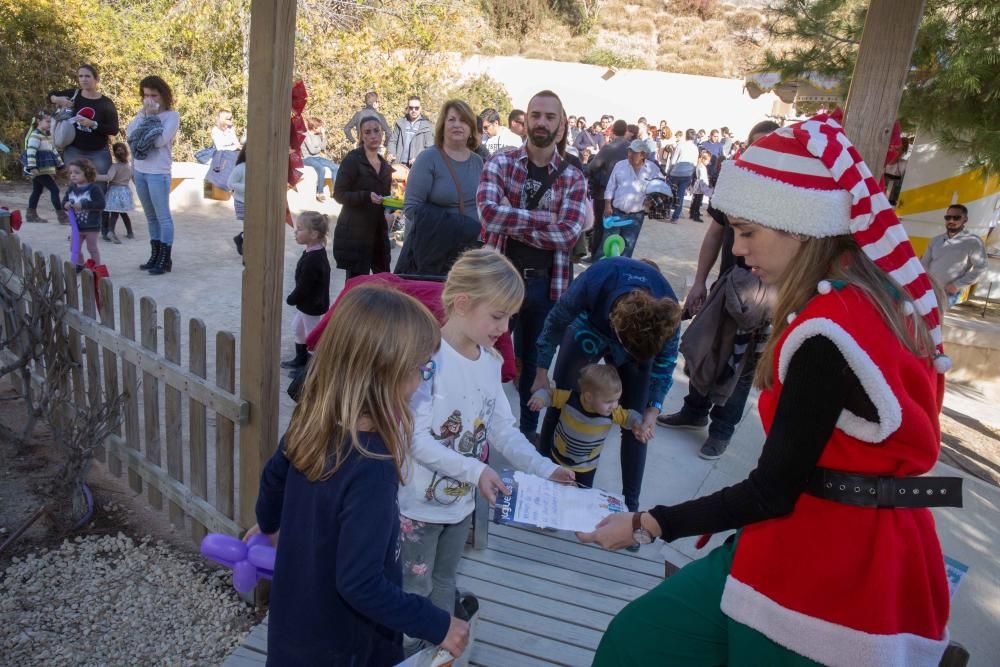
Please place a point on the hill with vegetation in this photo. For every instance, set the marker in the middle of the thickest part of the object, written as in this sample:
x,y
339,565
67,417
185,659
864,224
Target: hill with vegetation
x,y
345,48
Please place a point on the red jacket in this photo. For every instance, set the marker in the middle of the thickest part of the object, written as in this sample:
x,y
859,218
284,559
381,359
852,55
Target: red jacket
x,y
426,292
841,584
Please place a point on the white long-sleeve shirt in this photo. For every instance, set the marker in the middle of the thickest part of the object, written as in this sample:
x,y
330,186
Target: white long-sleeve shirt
x,y
458,414
626,189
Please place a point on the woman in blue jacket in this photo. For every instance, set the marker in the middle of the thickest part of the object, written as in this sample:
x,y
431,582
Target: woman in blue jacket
x,y
624,311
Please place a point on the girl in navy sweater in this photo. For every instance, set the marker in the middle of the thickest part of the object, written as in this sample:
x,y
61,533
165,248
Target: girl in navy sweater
x,y
86,199
331,486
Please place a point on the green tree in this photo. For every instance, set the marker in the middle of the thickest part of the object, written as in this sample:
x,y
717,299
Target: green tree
x,y
342,50
953,88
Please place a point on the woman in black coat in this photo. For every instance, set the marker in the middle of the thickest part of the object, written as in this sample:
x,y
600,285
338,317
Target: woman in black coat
x,y
361,236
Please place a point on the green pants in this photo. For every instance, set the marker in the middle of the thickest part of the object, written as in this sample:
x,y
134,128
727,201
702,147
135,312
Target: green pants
x,y
679,623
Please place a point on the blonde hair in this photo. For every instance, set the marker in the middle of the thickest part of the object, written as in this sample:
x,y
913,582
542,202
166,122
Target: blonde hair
x,y
314,221
839,258
600,379
468,117
485,276
358,374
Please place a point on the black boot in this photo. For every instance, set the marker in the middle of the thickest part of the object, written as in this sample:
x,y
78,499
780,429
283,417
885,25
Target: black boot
x,y
163,263
153,256
300,360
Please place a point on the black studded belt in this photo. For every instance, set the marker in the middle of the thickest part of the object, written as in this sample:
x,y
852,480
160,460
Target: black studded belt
x,y
874,491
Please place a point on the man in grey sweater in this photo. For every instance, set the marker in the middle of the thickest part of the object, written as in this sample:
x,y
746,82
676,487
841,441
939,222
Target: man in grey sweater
x,y
412,134
956,258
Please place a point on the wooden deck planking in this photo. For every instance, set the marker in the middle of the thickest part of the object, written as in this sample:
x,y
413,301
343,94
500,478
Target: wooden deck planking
x,y
652,565
544,599
576,564
517,563
515,599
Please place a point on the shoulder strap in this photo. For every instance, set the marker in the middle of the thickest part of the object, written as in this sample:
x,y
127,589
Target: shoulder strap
x,y
454,177
546,184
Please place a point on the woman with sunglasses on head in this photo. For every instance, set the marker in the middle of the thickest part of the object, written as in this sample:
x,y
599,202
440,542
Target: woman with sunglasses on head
x,y
836,560
95,119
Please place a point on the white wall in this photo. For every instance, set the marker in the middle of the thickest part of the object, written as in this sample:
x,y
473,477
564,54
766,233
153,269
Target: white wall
x,y
682,100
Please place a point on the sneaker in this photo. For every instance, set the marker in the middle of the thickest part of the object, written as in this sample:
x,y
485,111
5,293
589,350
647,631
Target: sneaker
x,y
588,260
320,197
114,238
130,235
713,448
681,420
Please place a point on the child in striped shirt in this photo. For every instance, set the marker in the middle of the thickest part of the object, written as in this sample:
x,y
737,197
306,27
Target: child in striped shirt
x,y
585,419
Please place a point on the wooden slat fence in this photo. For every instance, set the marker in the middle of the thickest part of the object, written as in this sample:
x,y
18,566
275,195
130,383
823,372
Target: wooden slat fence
x,y
172,409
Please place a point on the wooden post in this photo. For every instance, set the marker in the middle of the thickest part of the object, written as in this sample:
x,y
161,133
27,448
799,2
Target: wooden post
x,y
879,75
272,46
174,422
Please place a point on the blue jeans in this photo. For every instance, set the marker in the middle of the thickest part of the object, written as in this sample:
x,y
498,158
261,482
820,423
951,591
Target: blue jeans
x,y
321,164
725,417
525,328
154,194
680,185
580,347
630,233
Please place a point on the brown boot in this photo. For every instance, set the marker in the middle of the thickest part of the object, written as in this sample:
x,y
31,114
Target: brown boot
x,y
63,217
33,216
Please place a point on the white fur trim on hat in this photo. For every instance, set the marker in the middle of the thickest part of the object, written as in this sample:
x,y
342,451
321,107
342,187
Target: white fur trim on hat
x,y
874,384
744,194
824,641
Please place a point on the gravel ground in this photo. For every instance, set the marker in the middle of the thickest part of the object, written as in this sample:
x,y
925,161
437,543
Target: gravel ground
x,y
112,600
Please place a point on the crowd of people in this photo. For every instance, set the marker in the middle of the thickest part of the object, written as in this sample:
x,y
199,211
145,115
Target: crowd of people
x,y
810,305
819,302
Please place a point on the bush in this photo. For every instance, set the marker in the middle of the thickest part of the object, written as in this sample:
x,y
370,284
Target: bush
x,y
483,92
608,58
199,48
514,19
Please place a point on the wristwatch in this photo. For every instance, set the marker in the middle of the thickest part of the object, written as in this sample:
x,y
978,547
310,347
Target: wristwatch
x,y
639,534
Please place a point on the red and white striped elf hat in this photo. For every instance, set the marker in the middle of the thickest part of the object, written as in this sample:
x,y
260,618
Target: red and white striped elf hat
x,y
808,178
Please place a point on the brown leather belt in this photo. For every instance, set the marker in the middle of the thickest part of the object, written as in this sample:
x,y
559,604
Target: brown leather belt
x,y
874,491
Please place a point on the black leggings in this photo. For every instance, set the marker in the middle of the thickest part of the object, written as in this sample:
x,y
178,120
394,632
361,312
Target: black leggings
x,y
109,225
44,182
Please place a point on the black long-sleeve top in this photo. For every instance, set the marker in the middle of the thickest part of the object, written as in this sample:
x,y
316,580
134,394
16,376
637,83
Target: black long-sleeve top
x,y
102,110
819,385
312,283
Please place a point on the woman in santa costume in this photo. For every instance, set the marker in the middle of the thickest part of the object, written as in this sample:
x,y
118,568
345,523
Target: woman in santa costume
x,y
836,560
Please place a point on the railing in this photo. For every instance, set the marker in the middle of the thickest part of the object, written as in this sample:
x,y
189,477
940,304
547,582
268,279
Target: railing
x,y
162,394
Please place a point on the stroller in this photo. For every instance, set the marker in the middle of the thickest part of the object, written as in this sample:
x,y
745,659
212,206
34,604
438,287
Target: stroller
x,y
659,198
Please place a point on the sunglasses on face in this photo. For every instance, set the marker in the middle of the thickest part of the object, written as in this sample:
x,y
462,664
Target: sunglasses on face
x,y
427,370
956,218
414,108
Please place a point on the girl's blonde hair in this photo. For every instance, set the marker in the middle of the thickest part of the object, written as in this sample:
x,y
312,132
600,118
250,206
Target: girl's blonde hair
x,y
485,276
360,371
314,221
839,258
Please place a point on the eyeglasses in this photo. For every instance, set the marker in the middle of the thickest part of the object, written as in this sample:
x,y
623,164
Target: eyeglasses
x,y
414,108
427,370
956,218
